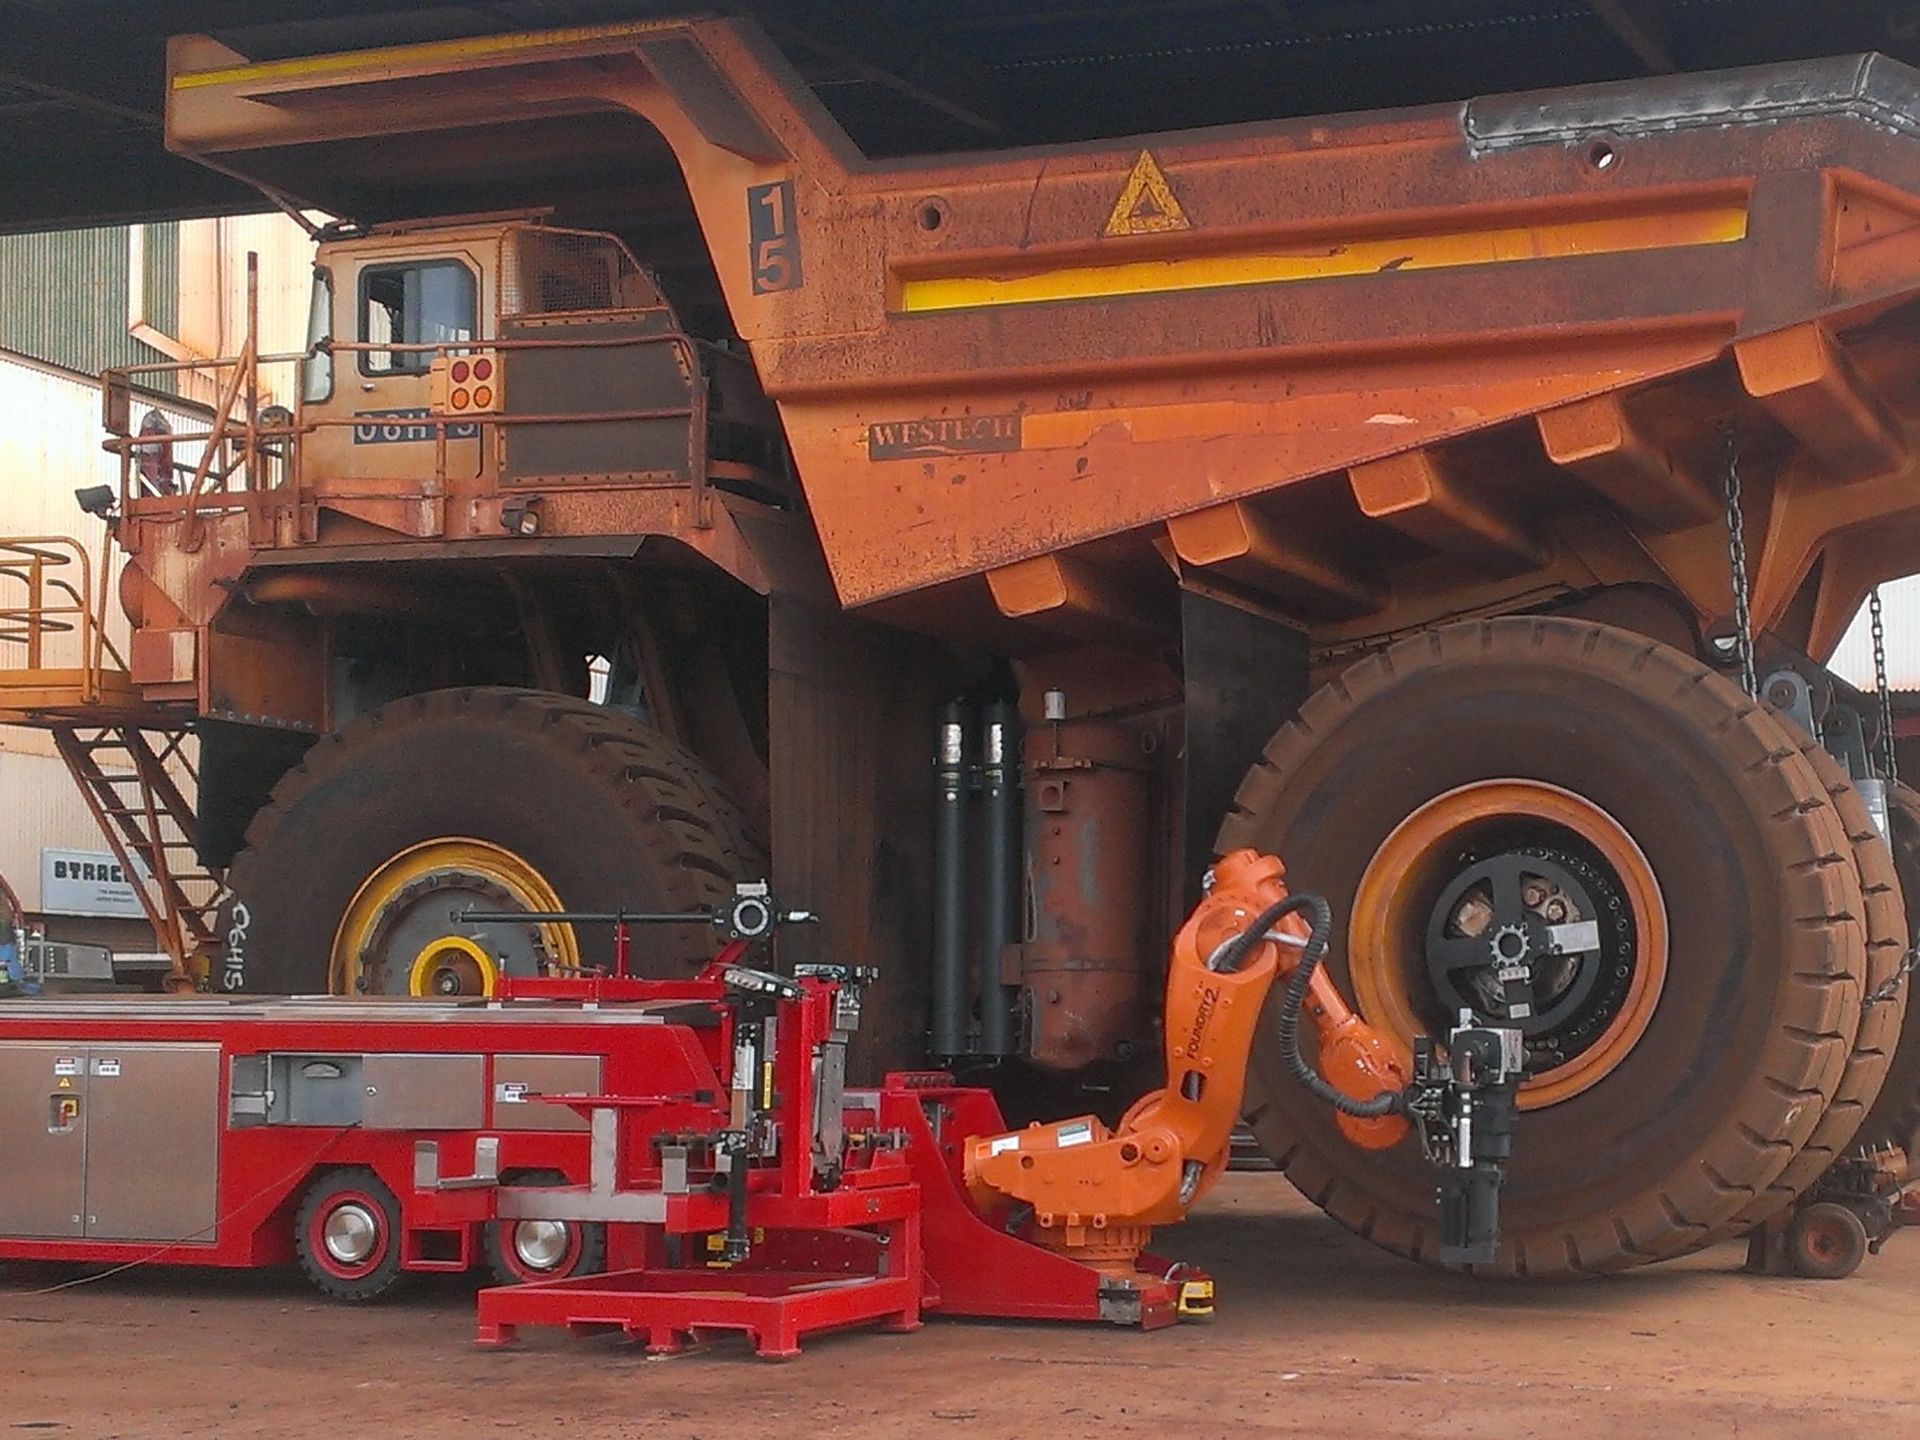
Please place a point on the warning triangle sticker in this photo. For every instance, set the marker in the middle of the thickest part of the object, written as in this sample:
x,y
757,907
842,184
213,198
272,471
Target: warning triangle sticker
x,y
1146,204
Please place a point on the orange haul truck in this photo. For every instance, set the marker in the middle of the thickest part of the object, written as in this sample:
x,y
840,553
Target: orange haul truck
x,y
990,540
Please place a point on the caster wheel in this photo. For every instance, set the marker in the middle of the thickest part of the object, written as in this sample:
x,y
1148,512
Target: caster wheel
x,y
1827,1242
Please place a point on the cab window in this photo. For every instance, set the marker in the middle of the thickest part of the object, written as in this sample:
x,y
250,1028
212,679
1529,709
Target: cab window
x,y
430,303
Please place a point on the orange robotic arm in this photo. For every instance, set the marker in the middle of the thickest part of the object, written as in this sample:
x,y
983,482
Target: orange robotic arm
x,y
1097,1193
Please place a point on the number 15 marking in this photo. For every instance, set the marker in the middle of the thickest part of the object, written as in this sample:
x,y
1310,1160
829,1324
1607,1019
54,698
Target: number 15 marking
x,y
774,244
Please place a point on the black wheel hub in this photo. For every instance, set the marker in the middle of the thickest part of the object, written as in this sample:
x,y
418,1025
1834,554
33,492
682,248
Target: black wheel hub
x,y
1535,936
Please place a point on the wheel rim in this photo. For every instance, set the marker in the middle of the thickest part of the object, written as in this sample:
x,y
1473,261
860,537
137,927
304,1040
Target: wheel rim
x,y
348,1237
452,965
542,1246
398,935
1526,904
351,1233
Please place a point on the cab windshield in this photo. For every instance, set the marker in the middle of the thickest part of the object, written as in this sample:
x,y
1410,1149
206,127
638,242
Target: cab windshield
x,y
316,382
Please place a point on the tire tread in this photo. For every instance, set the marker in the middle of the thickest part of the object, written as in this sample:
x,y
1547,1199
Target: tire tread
x,y
1818,1013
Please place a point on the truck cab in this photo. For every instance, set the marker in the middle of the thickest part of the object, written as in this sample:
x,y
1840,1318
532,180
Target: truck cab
x,y
481,394
519,368
392,289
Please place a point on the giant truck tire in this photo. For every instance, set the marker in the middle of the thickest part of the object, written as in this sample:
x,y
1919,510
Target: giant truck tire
x,y
1895,1117
354,872
1874,1044
1482,779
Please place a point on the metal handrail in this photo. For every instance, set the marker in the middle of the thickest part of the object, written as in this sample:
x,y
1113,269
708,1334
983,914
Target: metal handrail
x,y
57,605
257,444
210,477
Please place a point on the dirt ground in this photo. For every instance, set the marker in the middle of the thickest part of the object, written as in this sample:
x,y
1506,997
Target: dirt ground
x,y
1319,1334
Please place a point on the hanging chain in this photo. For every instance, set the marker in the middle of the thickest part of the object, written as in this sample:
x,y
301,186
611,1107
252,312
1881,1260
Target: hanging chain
x,y
1892,984
1889,762
1737,563
1890,768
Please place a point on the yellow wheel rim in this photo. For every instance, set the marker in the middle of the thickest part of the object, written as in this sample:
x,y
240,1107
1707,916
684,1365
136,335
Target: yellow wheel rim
x,y
453,959
499,870
1387,935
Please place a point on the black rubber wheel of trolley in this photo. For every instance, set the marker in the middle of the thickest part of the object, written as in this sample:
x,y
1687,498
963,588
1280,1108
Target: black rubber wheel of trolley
x,y
1880,1032
521,1252
1894,1118
1826,1241
347,1235
1756,1016
604,812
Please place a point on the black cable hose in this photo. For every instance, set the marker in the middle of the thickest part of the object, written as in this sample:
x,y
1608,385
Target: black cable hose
x,y
1293,1000
1232,955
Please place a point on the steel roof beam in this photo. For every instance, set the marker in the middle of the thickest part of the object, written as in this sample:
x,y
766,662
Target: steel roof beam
x,y
938,78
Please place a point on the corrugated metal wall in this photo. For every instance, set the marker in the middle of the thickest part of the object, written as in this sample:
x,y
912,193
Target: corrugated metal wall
x,y
1853,660
64,294
65,300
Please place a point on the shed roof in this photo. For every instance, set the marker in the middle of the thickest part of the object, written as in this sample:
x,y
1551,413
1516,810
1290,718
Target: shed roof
x,y
81,80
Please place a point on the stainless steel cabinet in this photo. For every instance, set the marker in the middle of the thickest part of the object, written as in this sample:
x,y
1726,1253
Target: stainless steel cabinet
x,y
153,1142
43,1177
112,1142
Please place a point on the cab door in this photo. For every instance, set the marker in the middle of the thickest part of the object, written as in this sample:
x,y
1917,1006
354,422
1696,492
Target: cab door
x,y
397,299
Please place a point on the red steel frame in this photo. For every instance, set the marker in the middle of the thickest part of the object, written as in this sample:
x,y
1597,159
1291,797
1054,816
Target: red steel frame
x,y
975,1265
827,1258
897,1235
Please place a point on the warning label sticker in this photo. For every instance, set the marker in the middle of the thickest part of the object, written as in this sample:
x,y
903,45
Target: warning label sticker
x,y
1078,1133
1146,204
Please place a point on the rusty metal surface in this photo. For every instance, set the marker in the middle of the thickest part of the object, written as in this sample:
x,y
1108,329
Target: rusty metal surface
x,y
1089,845
1088,351
600,417
852,809
1363,373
